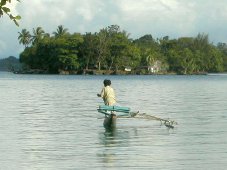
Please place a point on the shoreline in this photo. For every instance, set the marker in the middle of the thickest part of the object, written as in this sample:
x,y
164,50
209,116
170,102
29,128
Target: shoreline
x,y
105,72
110,73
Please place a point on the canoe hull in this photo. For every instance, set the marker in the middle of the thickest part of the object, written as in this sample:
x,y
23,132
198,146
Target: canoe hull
x,y
110,121
112,112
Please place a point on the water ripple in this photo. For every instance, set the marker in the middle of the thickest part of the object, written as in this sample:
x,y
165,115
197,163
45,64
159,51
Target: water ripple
x,y
50,122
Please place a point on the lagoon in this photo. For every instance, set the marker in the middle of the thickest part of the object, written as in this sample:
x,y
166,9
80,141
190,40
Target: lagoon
x,y
50,122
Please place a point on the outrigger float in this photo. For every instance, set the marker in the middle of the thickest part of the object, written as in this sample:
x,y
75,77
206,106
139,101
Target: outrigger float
x,y
113,112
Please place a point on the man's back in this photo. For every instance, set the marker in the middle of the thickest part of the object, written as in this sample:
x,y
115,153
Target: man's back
x,y
108,95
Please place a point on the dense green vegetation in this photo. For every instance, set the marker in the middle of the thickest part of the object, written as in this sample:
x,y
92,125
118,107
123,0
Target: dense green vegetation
x,y
112,50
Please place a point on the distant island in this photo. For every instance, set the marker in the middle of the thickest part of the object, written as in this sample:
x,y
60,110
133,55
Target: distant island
x,y
10,64
111,51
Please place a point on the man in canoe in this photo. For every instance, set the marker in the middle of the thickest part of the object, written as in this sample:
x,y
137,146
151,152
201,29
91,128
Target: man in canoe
x,y
107,93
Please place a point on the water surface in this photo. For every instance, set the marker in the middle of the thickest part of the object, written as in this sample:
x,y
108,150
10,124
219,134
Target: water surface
x,y
50,122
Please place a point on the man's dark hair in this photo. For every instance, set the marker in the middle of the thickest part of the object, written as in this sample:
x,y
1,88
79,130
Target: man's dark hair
x,y
107,82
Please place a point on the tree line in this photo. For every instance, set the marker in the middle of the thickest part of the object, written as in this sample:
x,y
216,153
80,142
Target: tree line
x,y
111,49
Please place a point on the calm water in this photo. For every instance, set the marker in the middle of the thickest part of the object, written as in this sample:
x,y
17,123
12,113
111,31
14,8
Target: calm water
x,y
50,122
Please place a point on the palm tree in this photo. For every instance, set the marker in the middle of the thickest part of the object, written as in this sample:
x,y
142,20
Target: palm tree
x,y
38,34
24,37
61,31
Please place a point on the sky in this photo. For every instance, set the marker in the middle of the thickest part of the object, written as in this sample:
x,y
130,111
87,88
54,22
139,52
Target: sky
x,y
173,18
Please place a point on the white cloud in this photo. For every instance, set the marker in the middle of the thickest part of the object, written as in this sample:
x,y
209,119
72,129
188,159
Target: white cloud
x,y
41,12
175,18
157,16
88,10
12,7
50,14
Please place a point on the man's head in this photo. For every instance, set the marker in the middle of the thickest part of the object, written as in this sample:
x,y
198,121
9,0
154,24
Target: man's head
x,y
107,82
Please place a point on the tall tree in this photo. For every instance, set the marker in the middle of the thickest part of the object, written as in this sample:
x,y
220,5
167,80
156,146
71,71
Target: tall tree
x,y
61,31
87,51
145,41
24,37
201,42
38,34
119,43
102,48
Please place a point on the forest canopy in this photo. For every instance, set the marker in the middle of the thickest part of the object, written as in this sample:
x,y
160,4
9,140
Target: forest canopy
x,y
111,49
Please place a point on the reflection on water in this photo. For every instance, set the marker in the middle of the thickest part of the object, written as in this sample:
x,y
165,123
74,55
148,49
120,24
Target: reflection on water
x,y
111,139
50,122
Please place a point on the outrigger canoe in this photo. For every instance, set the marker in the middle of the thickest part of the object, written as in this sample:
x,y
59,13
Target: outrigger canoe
x,y
112,112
